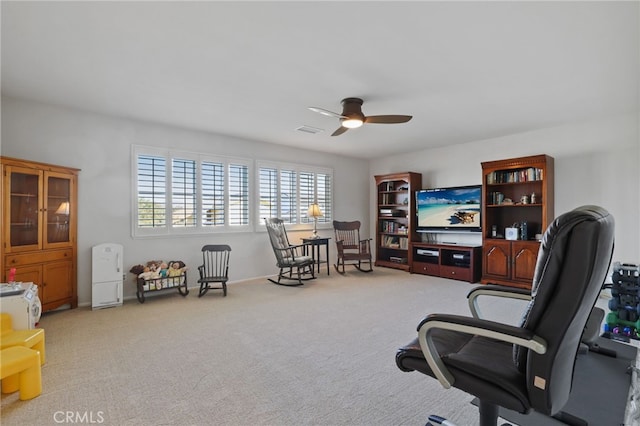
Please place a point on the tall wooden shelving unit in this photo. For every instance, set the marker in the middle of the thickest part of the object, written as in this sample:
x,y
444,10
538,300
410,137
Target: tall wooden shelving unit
x,y
505,183
39,227
395,218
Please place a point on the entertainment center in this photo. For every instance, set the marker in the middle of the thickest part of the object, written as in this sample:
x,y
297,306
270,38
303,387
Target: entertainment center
x,y
446,260
509,212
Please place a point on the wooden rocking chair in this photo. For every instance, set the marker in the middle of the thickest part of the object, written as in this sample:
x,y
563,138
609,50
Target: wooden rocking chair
x,y
288,257
351,249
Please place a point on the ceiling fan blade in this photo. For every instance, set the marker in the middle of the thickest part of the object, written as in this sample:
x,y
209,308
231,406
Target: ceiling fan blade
x,y
388,119
326,112
339,131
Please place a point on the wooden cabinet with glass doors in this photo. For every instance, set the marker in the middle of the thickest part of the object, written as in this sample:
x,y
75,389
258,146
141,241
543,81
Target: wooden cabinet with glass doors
x,y
39,224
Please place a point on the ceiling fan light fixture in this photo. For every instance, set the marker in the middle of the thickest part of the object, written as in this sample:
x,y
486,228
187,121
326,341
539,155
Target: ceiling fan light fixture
x,y
352,123
352,116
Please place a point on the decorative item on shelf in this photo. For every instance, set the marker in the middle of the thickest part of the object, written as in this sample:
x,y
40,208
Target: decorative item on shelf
x,y
63,209
534,198
512,233
314,212
524,199
62,221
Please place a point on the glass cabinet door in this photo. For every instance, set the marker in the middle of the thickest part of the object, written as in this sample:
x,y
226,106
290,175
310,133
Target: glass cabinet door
x,y
57,208
24,205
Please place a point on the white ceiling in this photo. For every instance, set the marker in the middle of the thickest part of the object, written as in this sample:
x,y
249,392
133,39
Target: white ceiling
x,y
465,70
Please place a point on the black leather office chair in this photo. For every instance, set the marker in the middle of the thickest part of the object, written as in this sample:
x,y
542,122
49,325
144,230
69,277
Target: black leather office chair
x,y
529,367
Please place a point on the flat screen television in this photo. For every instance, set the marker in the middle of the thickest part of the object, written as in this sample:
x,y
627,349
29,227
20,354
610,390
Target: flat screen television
x,y
452,209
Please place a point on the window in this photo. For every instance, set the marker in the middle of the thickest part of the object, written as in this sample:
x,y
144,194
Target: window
x,y
225,194
179,193
286,191
183,193
152,200
188,193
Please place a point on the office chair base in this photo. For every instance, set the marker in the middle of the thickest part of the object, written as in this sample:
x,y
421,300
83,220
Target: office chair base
x,y
488,413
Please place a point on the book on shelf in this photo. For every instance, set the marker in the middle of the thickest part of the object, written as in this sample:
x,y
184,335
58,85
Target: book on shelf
x,y
392,213
395,242
391,227
515,176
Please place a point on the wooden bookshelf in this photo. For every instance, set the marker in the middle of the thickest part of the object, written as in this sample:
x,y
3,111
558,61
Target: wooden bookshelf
x,y
396,218
514,191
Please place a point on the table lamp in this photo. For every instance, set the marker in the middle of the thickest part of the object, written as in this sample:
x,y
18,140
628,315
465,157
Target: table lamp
x,y
314,212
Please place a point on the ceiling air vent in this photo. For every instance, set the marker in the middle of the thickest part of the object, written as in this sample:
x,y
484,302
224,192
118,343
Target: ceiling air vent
x,y
309,129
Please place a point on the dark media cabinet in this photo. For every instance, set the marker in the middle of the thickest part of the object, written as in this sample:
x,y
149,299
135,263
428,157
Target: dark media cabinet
x,y
447,261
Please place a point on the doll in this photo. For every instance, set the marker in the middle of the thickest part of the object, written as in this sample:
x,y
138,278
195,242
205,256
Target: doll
x,y
164,270
147,274
175,270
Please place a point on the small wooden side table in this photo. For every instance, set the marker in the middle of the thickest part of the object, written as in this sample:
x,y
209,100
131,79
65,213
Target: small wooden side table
x,y
315,244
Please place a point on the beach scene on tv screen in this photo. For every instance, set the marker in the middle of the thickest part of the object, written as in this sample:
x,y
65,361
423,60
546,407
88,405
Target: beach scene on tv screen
x,y
458,208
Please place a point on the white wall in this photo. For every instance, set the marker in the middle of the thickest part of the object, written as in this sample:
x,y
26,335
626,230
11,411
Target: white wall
x,y
596,162
101,147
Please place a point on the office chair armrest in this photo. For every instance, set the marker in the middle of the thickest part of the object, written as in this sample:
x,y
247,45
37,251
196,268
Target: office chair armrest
x,y
469,325
496,291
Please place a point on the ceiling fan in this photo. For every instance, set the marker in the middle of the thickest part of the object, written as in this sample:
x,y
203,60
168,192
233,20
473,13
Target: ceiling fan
x,y
352,116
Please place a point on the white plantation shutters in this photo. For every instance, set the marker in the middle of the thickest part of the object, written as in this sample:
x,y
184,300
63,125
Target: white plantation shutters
x,y
189,193
286,191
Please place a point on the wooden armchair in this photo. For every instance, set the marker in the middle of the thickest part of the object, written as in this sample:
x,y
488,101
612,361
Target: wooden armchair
x,y
351,249
288,257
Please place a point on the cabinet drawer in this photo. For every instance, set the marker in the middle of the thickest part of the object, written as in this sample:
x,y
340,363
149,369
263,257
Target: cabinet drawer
x,y
455,272
425,268
37,257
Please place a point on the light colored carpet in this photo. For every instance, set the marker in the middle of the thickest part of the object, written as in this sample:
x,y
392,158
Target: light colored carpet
x,y
321,354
